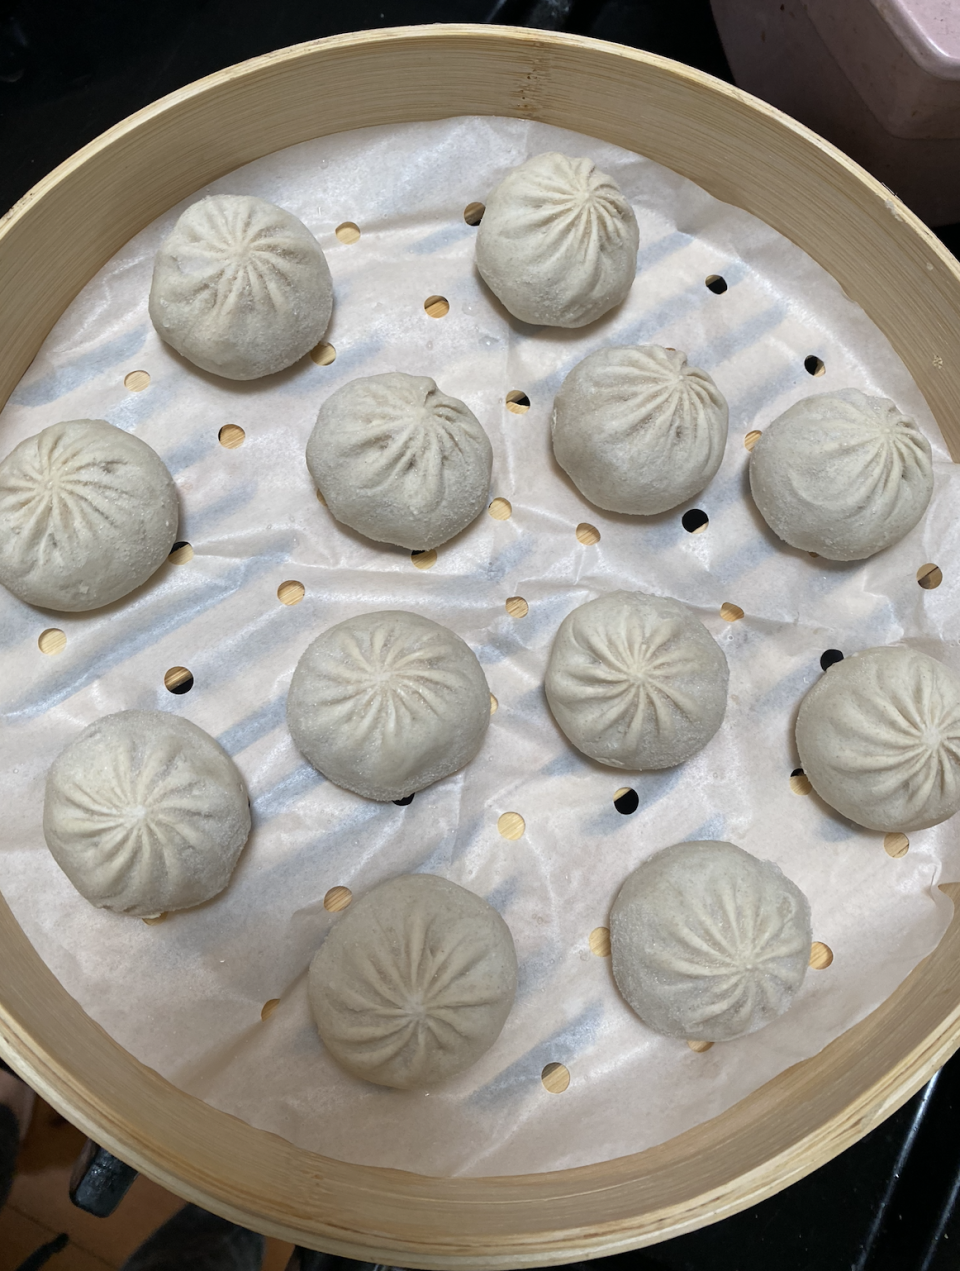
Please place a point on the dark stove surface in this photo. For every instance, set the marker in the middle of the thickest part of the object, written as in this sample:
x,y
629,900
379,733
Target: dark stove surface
x,y
67,73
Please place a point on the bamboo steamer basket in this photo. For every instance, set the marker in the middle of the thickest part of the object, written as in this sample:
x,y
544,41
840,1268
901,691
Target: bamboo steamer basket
x,y
741,151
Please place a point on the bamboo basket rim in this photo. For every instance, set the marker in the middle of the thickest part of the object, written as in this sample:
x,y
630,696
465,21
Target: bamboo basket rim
x,y
791,1125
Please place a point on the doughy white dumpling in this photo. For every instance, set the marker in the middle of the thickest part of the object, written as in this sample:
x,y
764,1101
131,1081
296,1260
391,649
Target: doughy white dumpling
x,y
144,812
414,982
558,242
879,738
842,474
708,942
635,681
87,513
240,287
638,430
385,704
400,461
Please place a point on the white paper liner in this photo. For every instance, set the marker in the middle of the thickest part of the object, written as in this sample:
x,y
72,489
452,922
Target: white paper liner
x,y
186,996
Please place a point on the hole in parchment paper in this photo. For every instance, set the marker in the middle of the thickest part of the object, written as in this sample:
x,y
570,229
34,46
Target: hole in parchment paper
x,y
511,825
700,1047
231,436
517,607
473,213
821,955
347,232
337,898
178,680
626,800
291,592
437,306
152,922
137,381
730,612
517,401
600,942
493,704
501,509
716,284
323,354
829,658
424,560
751,439
180,553
896,845
695,521
813,365
555,1078
52,641
587,534
269,1007
800,782
929,576
405,801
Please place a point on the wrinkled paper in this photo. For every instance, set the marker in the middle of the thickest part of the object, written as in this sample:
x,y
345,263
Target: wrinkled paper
x,y
185,996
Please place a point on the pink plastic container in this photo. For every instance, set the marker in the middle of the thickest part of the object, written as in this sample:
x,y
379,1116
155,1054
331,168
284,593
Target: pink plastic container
x,y
879,78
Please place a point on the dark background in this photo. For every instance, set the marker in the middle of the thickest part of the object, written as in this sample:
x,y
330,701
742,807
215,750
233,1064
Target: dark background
x,y
67,73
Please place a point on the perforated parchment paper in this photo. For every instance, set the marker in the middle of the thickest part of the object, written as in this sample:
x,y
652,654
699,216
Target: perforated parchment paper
x,y
187,996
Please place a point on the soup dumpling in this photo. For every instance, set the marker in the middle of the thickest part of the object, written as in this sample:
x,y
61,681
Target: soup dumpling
x,y
240,287
842,474
400,461
385,704
414,982
638,430
144,812
636,681
708,942
558,242
879,738
88,512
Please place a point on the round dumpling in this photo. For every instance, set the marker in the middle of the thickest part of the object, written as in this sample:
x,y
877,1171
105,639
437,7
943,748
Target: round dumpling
x,y
414,983
638,430
558,242
708,942
385,704
400,461
635,681
879,738
240,287
87,513
145,813
842,474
